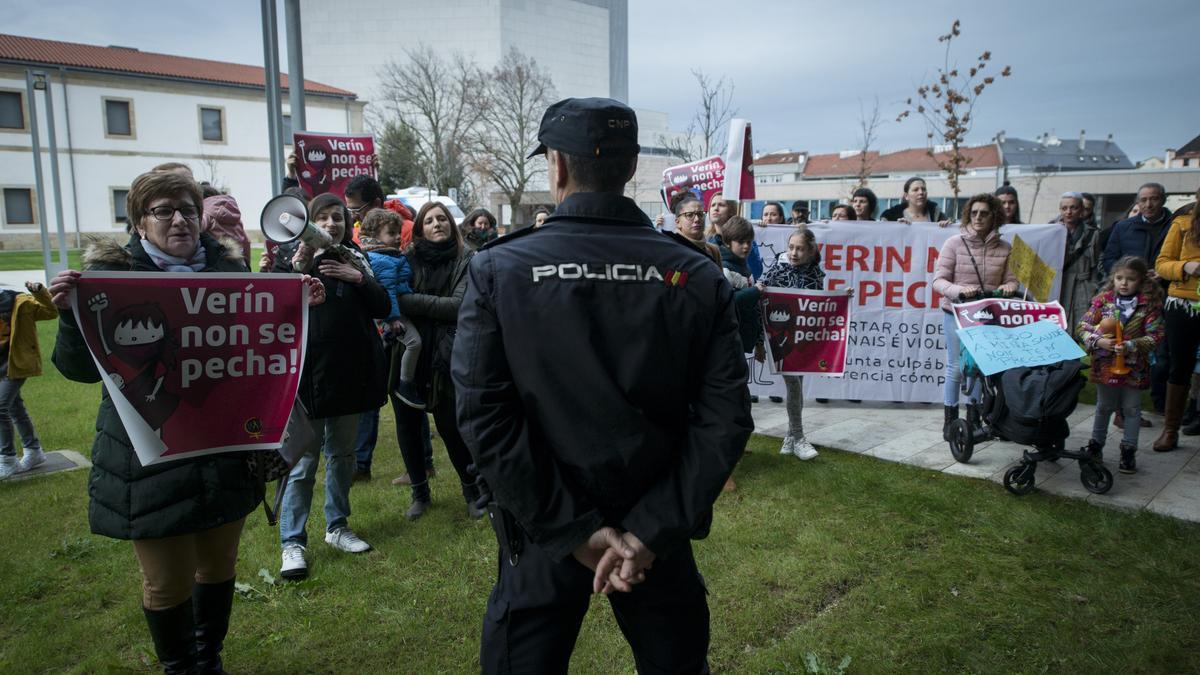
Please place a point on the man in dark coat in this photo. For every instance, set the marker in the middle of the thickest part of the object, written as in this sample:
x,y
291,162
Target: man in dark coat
x,y
602,393
1142,236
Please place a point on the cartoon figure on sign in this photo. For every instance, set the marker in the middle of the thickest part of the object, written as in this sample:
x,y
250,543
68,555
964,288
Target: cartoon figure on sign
x,y
141,355
317,169
779,333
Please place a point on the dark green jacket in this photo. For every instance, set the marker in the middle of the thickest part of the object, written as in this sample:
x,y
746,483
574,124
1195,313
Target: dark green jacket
x,y
129,501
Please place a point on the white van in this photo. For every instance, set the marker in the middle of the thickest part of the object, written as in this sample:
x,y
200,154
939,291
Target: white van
x,y
415,197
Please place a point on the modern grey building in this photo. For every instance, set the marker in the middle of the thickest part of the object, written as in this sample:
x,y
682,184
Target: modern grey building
x,y
1048,153
583,44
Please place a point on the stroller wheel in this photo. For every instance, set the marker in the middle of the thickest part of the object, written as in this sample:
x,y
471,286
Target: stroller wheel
x,y
1019,479
962,443
1096,477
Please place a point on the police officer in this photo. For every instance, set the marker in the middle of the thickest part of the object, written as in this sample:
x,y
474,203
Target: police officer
x,y
602,393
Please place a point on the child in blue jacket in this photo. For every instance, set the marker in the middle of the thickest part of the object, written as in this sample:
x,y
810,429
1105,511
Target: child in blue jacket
x,y
379,236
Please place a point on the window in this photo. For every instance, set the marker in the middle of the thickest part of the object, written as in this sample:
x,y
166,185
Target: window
x,y
118,202
212,124
118,118
18,206
12,111
287,129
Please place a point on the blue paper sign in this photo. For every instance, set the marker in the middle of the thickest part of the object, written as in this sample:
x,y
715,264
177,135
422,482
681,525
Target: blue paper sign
x,y
996,349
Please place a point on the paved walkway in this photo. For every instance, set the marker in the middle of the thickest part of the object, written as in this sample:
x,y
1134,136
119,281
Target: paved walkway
x,y
1167,483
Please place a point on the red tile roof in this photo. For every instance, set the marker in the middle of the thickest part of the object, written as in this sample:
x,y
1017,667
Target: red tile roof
x,y
134,62
904,161
836,165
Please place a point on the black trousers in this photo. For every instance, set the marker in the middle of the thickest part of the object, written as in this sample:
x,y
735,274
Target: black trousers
x,y
1183,335
411,430
537,607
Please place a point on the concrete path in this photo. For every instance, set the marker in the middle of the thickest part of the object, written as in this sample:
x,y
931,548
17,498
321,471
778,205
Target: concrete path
x,y
1167,483
59,460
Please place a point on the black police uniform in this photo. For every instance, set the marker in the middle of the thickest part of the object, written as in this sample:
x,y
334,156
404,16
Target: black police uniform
x,y
600,381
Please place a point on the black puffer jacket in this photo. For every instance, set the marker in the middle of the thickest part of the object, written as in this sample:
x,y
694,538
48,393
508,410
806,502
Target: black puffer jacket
x,y
344,367
128,500
433,308
897,212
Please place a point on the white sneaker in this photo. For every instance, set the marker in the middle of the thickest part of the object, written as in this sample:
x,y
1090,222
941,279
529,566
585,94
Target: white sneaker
x,y
31,459
803,449
789,445
8,466
295,566
344,539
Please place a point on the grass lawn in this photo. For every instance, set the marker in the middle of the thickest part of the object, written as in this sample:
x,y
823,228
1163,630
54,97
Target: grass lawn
x,y
901,569
32,260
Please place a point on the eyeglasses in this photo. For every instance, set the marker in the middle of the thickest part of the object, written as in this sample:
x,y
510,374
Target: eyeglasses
x,y
980,214
694,215
357,211
167,213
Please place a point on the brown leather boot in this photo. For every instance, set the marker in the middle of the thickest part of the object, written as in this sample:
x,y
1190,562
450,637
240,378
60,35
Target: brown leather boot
x,y
1173,415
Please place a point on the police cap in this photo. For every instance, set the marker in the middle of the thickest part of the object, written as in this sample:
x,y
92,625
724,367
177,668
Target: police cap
x,y
589,127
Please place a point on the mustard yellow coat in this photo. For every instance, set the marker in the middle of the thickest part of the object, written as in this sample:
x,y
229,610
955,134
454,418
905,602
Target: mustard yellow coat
x,y
1177,250
24,355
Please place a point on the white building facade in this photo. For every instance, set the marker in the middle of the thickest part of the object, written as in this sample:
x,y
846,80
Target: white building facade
x,y
581,43
111,126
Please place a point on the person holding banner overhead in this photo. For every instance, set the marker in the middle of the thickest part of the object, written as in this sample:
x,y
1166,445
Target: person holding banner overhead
x,y
184,517
602,469
971,263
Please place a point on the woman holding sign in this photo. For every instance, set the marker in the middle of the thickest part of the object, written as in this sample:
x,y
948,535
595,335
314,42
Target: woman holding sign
x,y
971,263
184,517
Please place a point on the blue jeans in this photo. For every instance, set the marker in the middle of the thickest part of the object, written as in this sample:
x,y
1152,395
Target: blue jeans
x,y
333,436
953,375
364,443
12,413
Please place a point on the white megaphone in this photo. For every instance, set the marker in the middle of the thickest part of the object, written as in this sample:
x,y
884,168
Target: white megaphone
x,y
285,219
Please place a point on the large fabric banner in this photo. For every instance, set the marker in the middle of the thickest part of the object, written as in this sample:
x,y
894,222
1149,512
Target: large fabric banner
x,y
896,348
327,162
806,331
196,363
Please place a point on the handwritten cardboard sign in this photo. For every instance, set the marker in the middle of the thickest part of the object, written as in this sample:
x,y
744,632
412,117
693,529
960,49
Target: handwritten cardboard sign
x,y
997,349
1031,270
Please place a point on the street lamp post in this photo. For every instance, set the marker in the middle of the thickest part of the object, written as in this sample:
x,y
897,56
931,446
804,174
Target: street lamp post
x,y
37,81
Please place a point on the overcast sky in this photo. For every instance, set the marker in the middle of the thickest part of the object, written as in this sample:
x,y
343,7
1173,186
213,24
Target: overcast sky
x,y
800,69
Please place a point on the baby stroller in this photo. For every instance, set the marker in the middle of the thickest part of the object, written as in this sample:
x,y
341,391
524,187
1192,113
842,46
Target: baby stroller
x,y
1029,406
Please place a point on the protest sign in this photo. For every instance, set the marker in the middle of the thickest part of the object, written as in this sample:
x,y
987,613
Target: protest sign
x,y
707,177
1029,268
1007,313
806,330
896,348
327,162
997,349
196,363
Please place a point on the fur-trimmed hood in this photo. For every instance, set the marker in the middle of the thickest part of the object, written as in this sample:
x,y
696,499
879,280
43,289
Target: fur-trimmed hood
x,y
103,253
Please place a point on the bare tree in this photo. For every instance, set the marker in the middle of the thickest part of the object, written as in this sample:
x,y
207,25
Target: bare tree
x,y
706,132
515,95
868,130
947,107
438,103
1040,174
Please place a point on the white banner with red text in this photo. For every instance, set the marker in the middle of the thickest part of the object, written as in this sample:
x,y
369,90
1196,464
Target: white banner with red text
x,y
896,349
